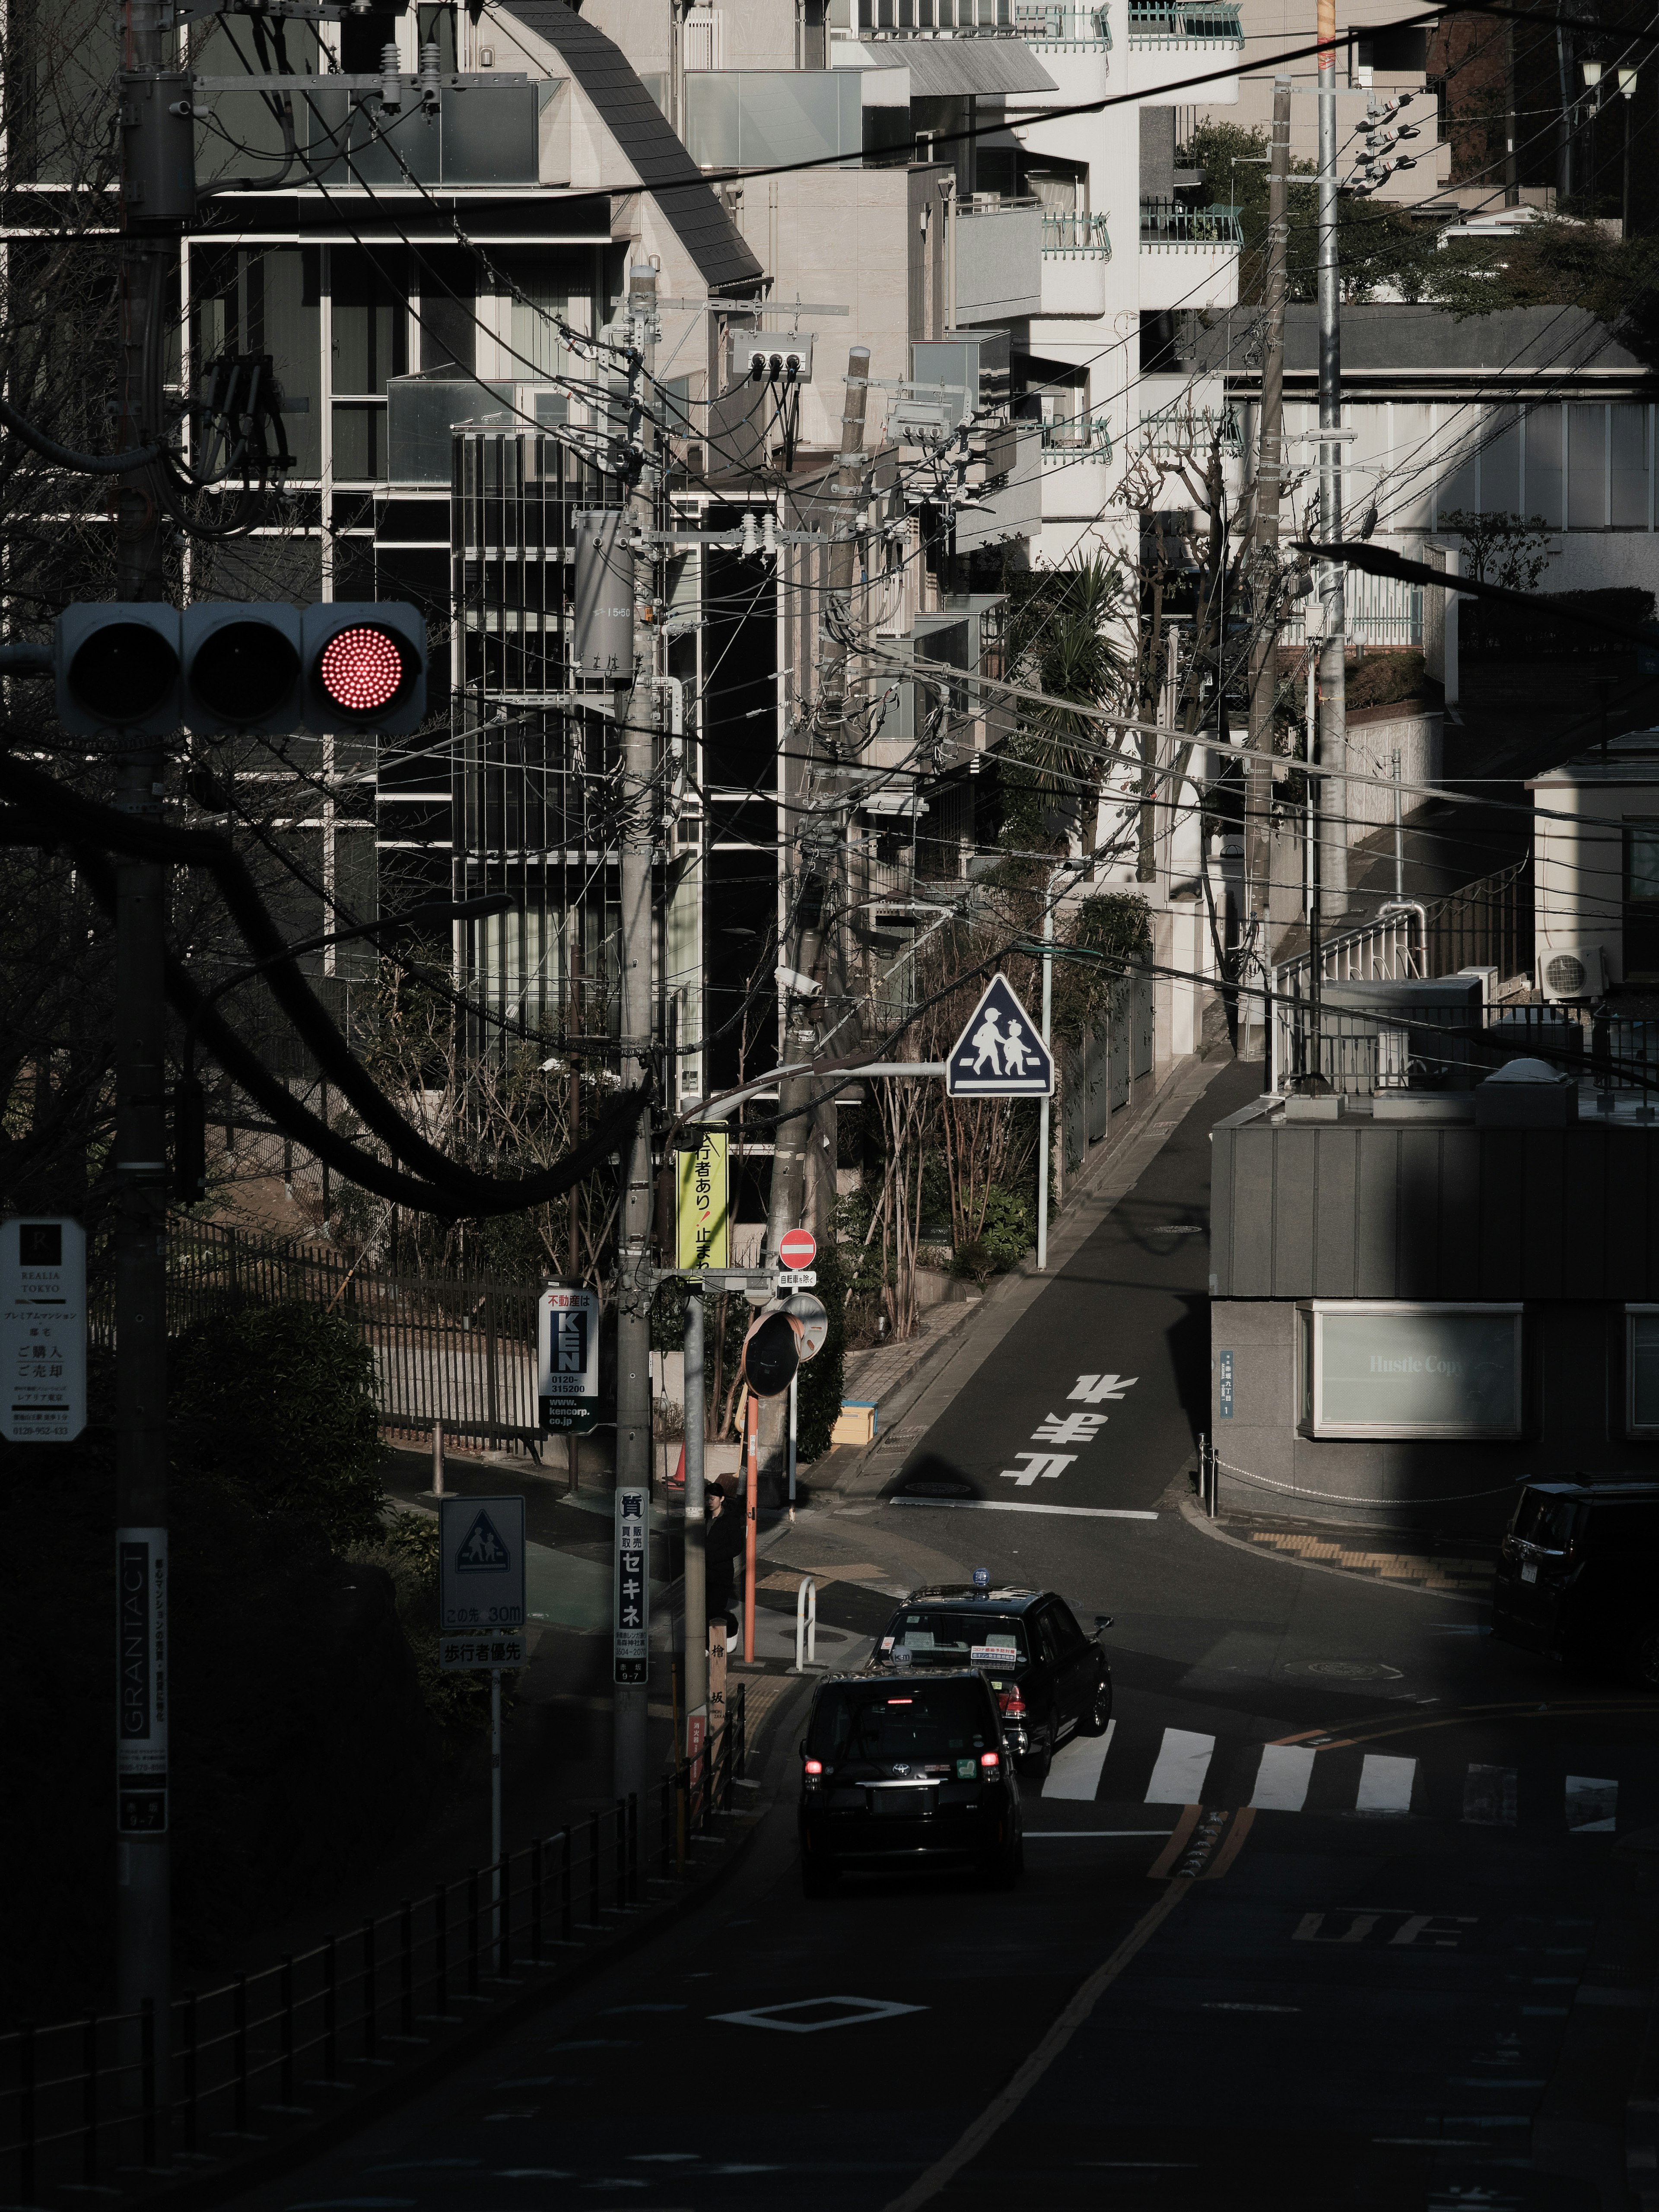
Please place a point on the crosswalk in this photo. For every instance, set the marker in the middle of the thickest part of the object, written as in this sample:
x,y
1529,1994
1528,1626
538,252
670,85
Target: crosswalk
x,y
1185,1767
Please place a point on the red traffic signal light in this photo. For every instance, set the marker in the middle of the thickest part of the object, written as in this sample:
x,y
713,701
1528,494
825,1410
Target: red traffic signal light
x,y
365,667
117,665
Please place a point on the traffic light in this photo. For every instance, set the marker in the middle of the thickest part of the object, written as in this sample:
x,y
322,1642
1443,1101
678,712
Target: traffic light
x,y
242,667
144,670
118,668
365,667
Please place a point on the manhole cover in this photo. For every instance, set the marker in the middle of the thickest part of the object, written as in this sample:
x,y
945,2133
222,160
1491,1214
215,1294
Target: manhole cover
x,y
1344,1670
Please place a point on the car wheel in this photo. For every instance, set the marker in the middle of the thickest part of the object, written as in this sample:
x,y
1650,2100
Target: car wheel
x,y
1036,1763
1642,1656
1097,1719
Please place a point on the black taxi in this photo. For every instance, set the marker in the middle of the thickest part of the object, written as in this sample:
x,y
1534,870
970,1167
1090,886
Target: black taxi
x,y
907,1770
1050,1681
1578,1575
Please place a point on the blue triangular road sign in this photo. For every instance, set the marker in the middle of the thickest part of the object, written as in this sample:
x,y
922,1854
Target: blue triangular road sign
x,y
484,1552
1000,1054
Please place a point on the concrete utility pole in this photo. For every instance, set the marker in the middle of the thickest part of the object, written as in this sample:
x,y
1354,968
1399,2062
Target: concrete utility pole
x,y
1269,485
1333,667
636,841
794,1129
144,1908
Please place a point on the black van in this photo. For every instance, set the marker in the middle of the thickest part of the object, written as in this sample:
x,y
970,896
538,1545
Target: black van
x,y
1578,1575
904,1769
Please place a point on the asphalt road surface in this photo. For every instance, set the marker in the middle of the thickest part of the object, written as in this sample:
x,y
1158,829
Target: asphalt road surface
x,y
1329,1918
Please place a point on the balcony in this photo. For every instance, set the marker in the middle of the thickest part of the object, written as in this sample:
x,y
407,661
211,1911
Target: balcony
x,y
1075,251
1184,22
1077,459
1056,23
999,261
1188,256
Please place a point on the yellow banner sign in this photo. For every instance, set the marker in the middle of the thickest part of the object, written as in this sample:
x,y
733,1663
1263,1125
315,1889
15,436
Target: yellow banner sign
x,y
702,1213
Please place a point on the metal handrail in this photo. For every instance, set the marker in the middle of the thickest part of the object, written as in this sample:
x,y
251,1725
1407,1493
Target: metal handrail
x,y
1185,18
1071,233
1061,23
99,2102
1079,434
1167,222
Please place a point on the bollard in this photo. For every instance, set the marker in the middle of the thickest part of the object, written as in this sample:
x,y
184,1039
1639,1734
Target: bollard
x,y
806,1626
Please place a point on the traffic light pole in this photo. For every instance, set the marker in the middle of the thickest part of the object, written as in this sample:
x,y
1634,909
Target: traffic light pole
x,y
144,1908
634,1270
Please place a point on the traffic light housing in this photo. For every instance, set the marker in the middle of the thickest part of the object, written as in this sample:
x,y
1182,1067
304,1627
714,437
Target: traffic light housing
x,y
242,667
364,666
118,669
143,670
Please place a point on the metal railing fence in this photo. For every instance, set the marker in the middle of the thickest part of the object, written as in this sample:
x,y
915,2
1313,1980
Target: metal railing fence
x,y
1151,20
1167,222
458,1349
1075,233
103,2102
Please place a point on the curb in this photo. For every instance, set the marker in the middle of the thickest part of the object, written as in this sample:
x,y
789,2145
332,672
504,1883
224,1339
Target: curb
x,y
1179,1498
552,1983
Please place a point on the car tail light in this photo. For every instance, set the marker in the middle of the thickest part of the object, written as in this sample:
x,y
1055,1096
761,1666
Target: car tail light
x,y
815,1766
990,1759
1011,1705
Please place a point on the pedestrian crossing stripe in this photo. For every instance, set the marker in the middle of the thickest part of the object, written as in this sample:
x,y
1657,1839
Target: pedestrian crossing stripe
x,y
481,1551
1385,1786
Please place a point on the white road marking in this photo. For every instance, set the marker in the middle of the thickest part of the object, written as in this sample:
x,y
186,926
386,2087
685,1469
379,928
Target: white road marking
x,y
860,2010
1183,1759
1282,1779
1488,1796
1385,1784
1076,1771
1592,1805
1018,1505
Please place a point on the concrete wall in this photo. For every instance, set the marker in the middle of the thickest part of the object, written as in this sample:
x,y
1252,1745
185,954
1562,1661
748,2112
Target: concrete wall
x,y
1574,1369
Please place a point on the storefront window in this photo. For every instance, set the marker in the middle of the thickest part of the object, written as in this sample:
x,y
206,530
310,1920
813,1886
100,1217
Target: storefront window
x,y
1642,1369
1412,1371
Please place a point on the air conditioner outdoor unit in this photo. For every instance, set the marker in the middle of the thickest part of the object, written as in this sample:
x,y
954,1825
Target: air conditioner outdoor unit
x,y
1571,972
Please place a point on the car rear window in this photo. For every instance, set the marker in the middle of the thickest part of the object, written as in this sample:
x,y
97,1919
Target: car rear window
x,y
888,1720
935,1632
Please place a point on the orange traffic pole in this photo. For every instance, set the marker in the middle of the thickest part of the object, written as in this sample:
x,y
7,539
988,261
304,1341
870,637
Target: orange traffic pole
x,y
751,1495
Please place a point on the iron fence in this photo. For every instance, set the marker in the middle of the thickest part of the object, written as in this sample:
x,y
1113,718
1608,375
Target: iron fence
x,y
456,1350
103,2103
1487,924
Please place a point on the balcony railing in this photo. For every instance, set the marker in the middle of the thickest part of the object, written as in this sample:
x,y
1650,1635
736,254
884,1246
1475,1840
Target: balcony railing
x,y
1190,430
1155,22
1166,222
911,19
1075,233
1058,22
1075,438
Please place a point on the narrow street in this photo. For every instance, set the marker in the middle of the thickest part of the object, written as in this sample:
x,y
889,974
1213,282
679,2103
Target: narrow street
x,y
1330,1916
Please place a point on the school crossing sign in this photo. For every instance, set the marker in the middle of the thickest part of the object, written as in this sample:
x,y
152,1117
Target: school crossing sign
x,y
1000,1054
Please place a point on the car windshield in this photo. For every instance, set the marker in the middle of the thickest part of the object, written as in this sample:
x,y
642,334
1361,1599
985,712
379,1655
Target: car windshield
x,y
885,1722
1543,1520
935,1632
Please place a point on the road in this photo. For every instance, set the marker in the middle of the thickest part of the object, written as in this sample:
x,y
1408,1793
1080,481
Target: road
x,y
1330,1917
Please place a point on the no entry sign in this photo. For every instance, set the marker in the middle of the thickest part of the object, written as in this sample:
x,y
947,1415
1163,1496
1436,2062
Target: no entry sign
x,y
798,1249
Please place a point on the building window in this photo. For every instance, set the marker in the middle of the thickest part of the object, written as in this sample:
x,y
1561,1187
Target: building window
x,y
1642,1370
1410,1371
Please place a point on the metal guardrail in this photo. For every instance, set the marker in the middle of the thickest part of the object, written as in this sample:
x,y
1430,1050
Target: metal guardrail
x,y
1153,21
102,2103
1189,430
1075,233
1166,222
1079,437
1063,24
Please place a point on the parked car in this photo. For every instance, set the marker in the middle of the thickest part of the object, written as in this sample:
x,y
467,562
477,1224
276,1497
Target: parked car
x,y
1578,1575
1050,1681
907,1772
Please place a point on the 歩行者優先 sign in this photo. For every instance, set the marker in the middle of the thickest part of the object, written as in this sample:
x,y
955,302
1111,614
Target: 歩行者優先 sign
x,y
567,1360
631,1615
43,1330
702,1232
481,1568
1000,1053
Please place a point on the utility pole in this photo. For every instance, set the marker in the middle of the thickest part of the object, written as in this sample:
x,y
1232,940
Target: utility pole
x,y
636,838
794,1128
1333,668
144,1903
1269,484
